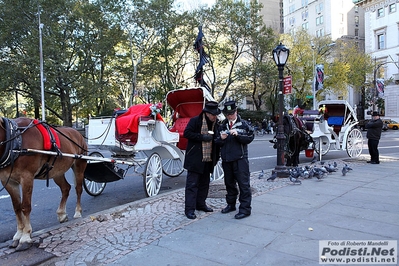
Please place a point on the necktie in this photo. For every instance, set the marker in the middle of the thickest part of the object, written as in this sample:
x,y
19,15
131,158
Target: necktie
x,y
231,124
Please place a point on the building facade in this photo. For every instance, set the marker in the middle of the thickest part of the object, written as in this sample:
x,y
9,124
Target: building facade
x,y
273,14
382,43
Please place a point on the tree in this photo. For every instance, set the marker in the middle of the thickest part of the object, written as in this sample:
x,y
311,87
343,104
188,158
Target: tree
x,y
344,65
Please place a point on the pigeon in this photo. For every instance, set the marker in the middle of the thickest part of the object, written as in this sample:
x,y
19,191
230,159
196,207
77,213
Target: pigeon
x,y
314,159
261,174
344,171
272,177
331,168
347,167
295,180
322,162
335,164
294,174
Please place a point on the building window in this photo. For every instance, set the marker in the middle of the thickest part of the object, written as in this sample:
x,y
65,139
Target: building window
x,y
380,12
356,32
291,9
381,41
356,9
304,2
320,32
292,20
305,26
305,15
392,8
319,20
357,20
319,8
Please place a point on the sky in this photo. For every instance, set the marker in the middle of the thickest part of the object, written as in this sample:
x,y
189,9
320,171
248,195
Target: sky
x,y
192,4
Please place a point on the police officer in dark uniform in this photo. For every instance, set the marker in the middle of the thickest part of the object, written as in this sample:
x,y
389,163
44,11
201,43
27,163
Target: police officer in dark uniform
x,y
235,135
201,156
374,129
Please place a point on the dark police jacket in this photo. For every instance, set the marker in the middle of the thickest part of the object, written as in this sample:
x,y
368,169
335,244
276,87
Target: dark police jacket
x,y
234,148
193,158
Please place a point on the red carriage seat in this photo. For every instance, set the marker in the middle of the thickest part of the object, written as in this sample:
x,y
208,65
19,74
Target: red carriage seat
x,y
126,124
179,126
183,113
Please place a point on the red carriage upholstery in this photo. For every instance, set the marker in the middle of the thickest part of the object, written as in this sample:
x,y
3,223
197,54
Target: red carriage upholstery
x,y
126,124
183,113
179,126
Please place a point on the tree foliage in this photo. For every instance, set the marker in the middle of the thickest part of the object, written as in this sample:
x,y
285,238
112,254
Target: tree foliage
x,y
105,54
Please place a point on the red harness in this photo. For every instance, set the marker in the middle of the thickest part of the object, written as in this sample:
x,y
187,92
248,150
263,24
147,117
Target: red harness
x,y
49,135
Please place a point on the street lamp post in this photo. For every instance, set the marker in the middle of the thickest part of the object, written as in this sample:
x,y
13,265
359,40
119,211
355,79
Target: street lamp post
x,y
280,56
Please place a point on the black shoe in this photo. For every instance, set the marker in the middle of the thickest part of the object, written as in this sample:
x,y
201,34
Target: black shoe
x,y
205,209
241,215
369,161
229,208
191,215
375,162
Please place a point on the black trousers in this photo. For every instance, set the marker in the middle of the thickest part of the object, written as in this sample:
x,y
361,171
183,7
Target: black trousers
x,y
373,150
197,188
237,172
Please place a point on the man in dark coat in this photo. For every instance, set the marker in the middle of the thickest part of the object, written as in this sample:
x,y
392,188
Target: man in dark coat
x,y
201,157
374,129
235,135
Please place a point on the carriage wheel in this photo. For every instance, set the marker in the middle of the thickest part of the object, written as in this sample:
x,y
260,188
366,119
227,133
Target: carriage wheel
x,y
325,145
91,187
354,143
172,167
153,175
217,171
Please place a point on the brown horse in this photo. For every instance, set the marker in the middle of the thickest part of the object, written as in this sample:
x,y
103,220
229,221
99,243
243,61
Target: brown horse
x,y
19,169
297,139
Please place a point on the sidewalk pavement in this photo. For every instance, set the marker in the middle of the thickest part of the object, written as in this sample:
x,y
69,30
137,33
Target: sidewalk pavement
x,y
285,227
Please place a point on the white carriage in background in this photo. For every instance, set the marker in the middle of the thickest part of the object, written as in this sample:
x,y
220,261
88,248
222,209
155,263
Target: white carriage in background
x,y
335,128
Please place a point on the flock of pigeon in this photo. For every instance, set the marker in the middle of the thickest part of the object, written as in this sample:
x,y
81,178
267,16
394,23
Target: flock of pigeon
x,y
310,171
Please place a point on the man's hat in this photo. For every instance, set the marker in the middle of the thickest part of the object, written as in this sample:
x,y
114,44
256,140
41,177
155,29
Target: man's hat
x,y
229,107
212,108
375,114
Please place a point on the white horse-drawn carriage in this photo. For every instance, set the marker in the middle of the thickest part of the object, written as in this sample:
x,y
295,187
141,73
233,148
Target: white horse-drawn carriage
x,y
334,127
143,141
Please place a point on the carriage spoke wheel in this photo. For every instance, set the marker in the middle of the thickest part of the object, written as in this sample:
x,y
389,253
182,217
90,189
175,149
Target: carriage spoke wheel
x,y
172,167
325,145
91,187
217,171
153,175
354,143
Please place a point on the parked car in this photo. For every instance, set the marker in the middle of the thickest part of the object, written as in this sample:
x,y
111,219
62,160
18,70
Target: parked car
x,y
393,124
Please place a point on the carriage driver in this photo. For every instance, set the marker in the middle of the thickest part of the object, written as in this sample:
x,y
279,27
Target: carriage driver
x,y
201,156
234,138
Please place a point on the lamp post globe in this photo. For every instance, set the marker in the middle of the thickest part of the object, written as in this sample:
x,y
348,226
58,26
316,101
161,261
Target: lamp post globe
x,y
280,56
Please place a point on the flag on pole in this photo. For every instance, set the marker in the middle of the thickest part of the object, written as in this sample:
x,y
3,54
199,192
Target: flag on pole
x,y
204,58
319,79
379,84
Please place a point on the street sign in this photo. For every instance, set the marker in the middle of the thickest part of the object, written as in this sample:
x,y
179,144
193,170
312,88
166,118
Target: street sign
x,y
287,81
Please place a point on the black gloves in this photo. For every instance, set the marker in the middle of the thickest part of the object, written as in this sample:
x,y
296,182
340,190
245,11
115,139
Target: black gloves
x,y
207,137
